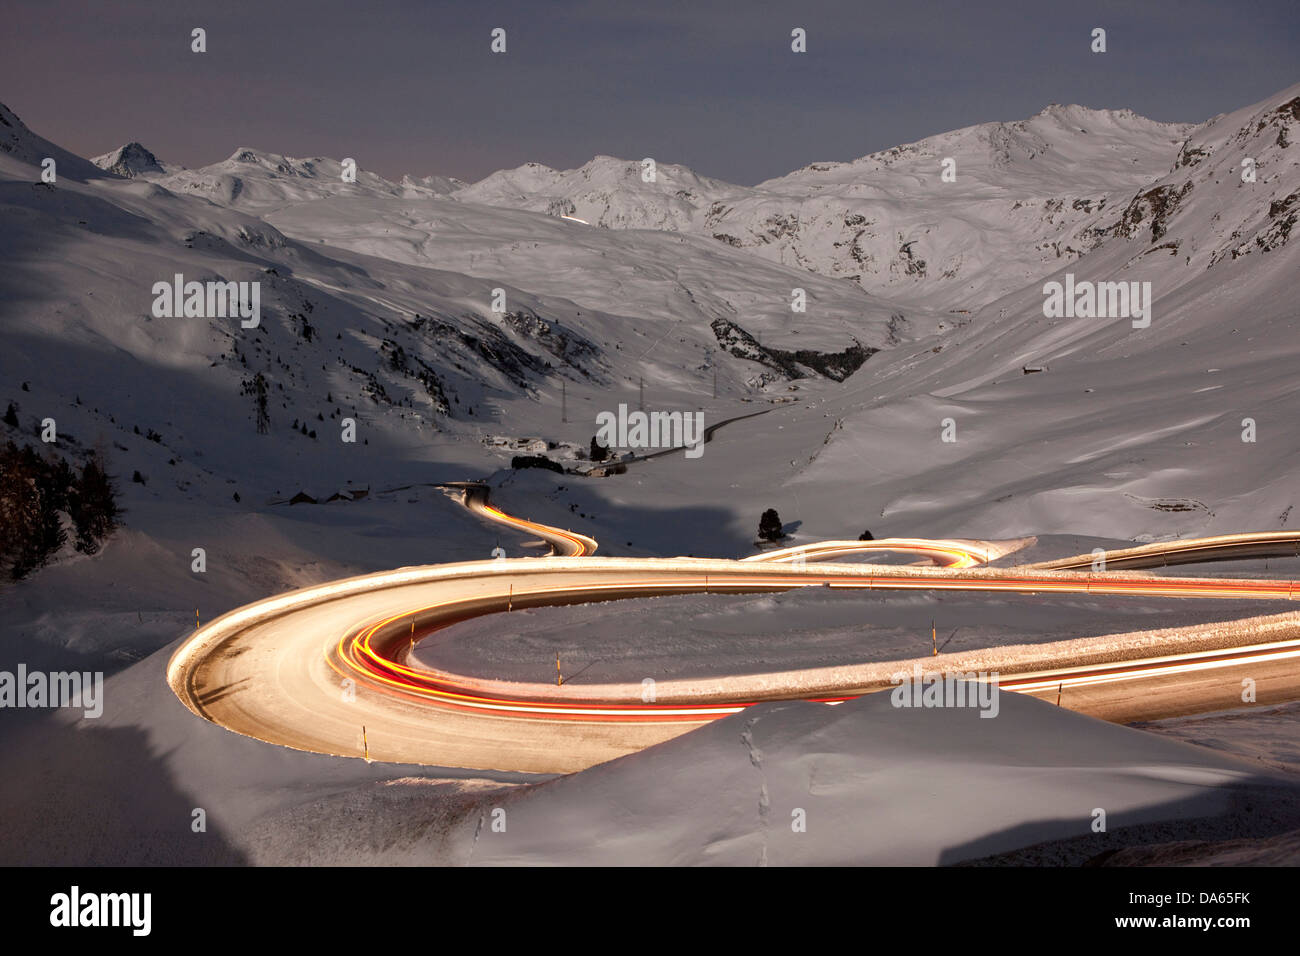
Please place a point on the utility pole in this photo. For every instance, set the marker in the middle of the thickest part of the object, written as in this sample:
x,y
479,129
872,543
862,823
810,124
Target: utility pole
x,y
640,402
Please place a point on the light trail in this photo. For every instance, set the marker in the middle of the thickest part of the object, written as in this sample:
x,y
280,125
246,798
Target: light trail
x,y
1251,544
375,652
473,496
365,653
949,554
1169,664
580,545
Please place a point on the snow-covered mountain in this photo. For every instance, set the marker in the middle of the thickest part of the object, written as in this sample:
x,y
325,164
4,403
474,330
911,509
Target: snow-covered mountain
x,y
437,185
1179,427
1021,198
130,161
608,192
259,181
377,301
376,305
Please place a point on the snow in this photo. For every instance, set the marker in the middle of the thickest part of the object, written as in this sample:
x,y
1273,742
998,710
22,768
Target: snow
x,y
870,793
1024,193
1266,735
130,161
706,638
878,784
1132,434
258,180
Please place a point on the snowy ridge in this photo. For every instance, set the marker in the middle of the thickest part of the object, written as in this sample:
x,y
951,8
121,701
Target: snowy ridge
x,y
607,192
1023,194
259,181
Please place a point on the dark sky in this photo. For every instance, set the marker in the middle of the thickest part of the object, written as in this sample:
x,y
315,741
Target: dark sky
x,y
412,86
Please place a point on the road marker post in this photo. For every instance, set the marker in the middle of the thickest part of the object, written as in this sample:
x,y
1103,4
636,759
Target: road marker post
x,y
1059,687
558,679
934,639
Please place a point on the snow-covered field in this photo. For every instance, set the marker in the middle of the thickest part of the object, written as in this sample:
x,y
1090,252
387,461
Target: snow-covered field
x,y
924,306
712,636
876,785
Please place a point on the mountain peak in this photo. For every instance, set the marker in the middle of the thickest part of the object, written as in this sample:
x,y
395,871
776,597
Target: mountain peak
x,y
9,118
129,161
247,154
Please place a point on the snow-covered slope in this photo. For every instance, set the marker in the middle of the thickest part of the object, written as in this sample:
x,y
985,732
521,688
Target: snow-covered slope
x,y
1130,431
792,783
399,350
20,145
659,280
863,782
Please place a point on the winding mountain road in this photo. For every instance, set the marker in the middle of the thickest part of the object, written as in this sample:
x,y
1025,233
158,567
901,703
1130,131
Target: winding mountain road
x,y
329,668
